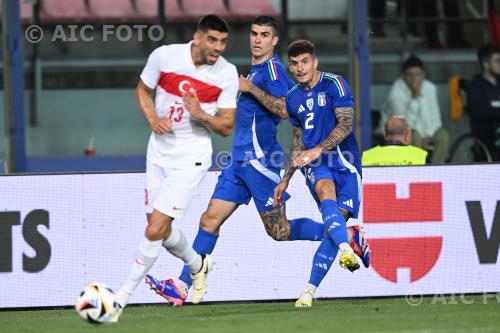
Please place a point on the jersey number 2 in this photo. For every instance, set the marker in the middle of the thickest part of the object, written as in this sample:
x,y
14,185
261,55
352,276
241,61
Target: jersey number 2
x,y
310,117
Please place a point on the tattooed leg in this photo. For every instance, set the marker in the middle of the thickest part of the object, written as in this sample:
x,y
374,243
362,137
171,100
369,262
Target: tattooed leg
x,y
347,215
276,224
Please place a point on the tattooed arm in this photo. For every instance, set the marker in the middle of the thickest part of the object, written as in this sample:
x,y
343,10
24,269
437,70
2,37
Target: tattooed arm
x,y
345,119
296,149
275,105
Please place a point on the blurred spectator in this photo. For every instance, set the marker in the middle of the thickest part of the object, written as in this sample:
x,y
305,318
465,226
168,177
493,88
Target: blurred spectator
x,y
426,9
397,149
415,98
483,99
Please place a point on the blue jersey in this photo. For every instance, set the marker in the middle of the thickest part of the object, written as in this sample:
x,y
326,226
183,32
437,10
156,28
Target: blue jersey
x,y
255,127
313,111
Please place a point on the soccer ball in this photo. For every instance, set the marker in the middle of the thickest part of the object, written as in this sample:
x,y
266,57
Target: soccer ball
x,y
96,304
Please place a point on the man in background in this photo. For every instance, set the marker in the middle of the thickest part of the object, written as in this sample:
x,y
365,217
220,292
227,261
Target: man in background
x,y
483,99
397,148
415,98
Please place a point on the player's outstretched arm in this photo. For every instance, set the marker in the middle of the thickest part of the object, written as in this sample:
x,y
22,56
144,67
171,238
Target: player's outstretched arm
x,y
146,104
296,149
221,123
273,104
345,118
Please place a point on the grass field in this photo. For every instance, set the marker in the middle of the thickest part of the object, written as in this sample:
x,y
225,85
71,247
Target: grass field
x,y
366,315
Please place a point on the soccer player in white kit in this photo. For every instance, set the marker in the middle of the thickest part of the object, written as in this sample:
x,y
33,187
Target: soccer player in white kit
x,y
196,92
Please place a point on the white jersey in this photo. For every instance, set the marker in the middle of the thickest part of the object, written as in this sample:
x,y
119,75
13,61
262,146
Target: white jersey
x,y
170,69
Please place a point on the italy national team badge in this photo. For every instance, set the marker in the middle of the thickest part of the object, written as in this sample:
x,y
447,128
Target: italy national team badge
x,y
310,103
321,99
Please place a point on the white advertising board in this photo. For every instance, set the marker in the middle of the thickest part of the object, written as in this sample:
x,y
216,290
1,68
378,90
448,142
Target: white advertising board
x,y
432,230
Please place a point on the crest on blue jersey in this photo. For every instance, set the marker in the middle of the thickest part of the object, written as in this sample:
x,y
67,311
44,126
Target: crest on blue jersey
x,y
321,99
310,103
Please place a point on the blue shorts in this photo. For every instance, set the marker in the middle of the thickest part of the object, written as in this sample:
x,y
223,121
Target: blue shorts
x,y
242,180
347,185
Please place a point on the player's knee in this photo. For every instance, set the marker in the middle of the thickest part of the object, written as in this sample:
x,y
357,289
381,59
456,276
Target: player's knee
x,y
155,232
324,189
209,223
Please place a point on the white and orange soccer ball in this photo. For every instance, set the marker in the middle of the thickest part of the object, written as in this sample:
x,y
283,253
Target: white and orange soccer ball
x,y
96,304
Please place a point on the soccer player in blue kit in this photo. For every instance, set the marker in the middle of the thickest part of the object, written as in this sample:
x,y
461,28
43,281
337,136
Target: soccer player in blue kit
x,y
253,170
321,110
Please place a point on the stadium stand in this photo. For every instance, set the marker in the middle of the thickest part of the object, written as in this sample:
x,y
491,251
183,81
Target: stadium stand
x,y
113,10
193,9
147,10
246,10
74,11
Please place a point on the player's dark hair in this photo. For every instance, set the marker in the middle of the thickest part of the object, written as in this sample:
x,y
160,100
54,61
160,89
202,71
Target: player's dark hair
x,y
267,21
212,22
412,61
485,53
301,46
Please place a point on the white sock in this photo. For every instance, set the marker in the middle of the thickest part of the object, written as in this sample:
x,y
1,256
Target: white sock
x,y
122,297
178,246
311,287
148,253
345,247
182,285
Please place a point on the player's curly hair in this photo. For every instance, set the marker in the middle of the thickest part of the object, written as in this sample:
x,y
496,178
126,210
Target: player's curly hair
x,y
212,22
301,46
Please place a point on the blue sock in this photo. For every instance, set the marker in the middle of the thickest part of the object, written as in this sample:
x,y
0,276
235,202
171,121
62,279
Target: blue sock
x,y
323,260
306,229
203,243
334,221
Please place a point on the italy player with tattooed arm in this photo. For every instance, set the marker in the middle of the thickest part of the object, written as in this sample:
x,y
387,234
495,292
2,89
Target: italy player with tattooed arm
x,y
321,110
250,172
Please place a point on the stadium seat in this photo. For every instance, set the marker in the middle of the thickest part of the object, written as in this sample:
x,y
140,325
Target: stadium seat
x,y
197,8
26,12
247,10
113,10
173,12
147,10
57,11
191,10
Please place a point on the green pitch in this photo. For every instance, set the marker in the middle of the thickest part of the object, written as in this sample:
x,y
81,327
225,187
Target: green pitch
x,y
439,315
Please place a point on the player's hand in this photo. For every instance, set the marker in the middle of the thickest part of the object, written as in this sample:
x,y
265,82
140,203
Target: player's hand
x,y
307,157
192,104
244,84
160,125
278,193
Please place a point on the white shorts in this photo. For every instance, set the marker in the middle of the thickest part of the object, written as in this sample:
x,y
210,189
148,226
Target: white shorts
x,y
170,191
